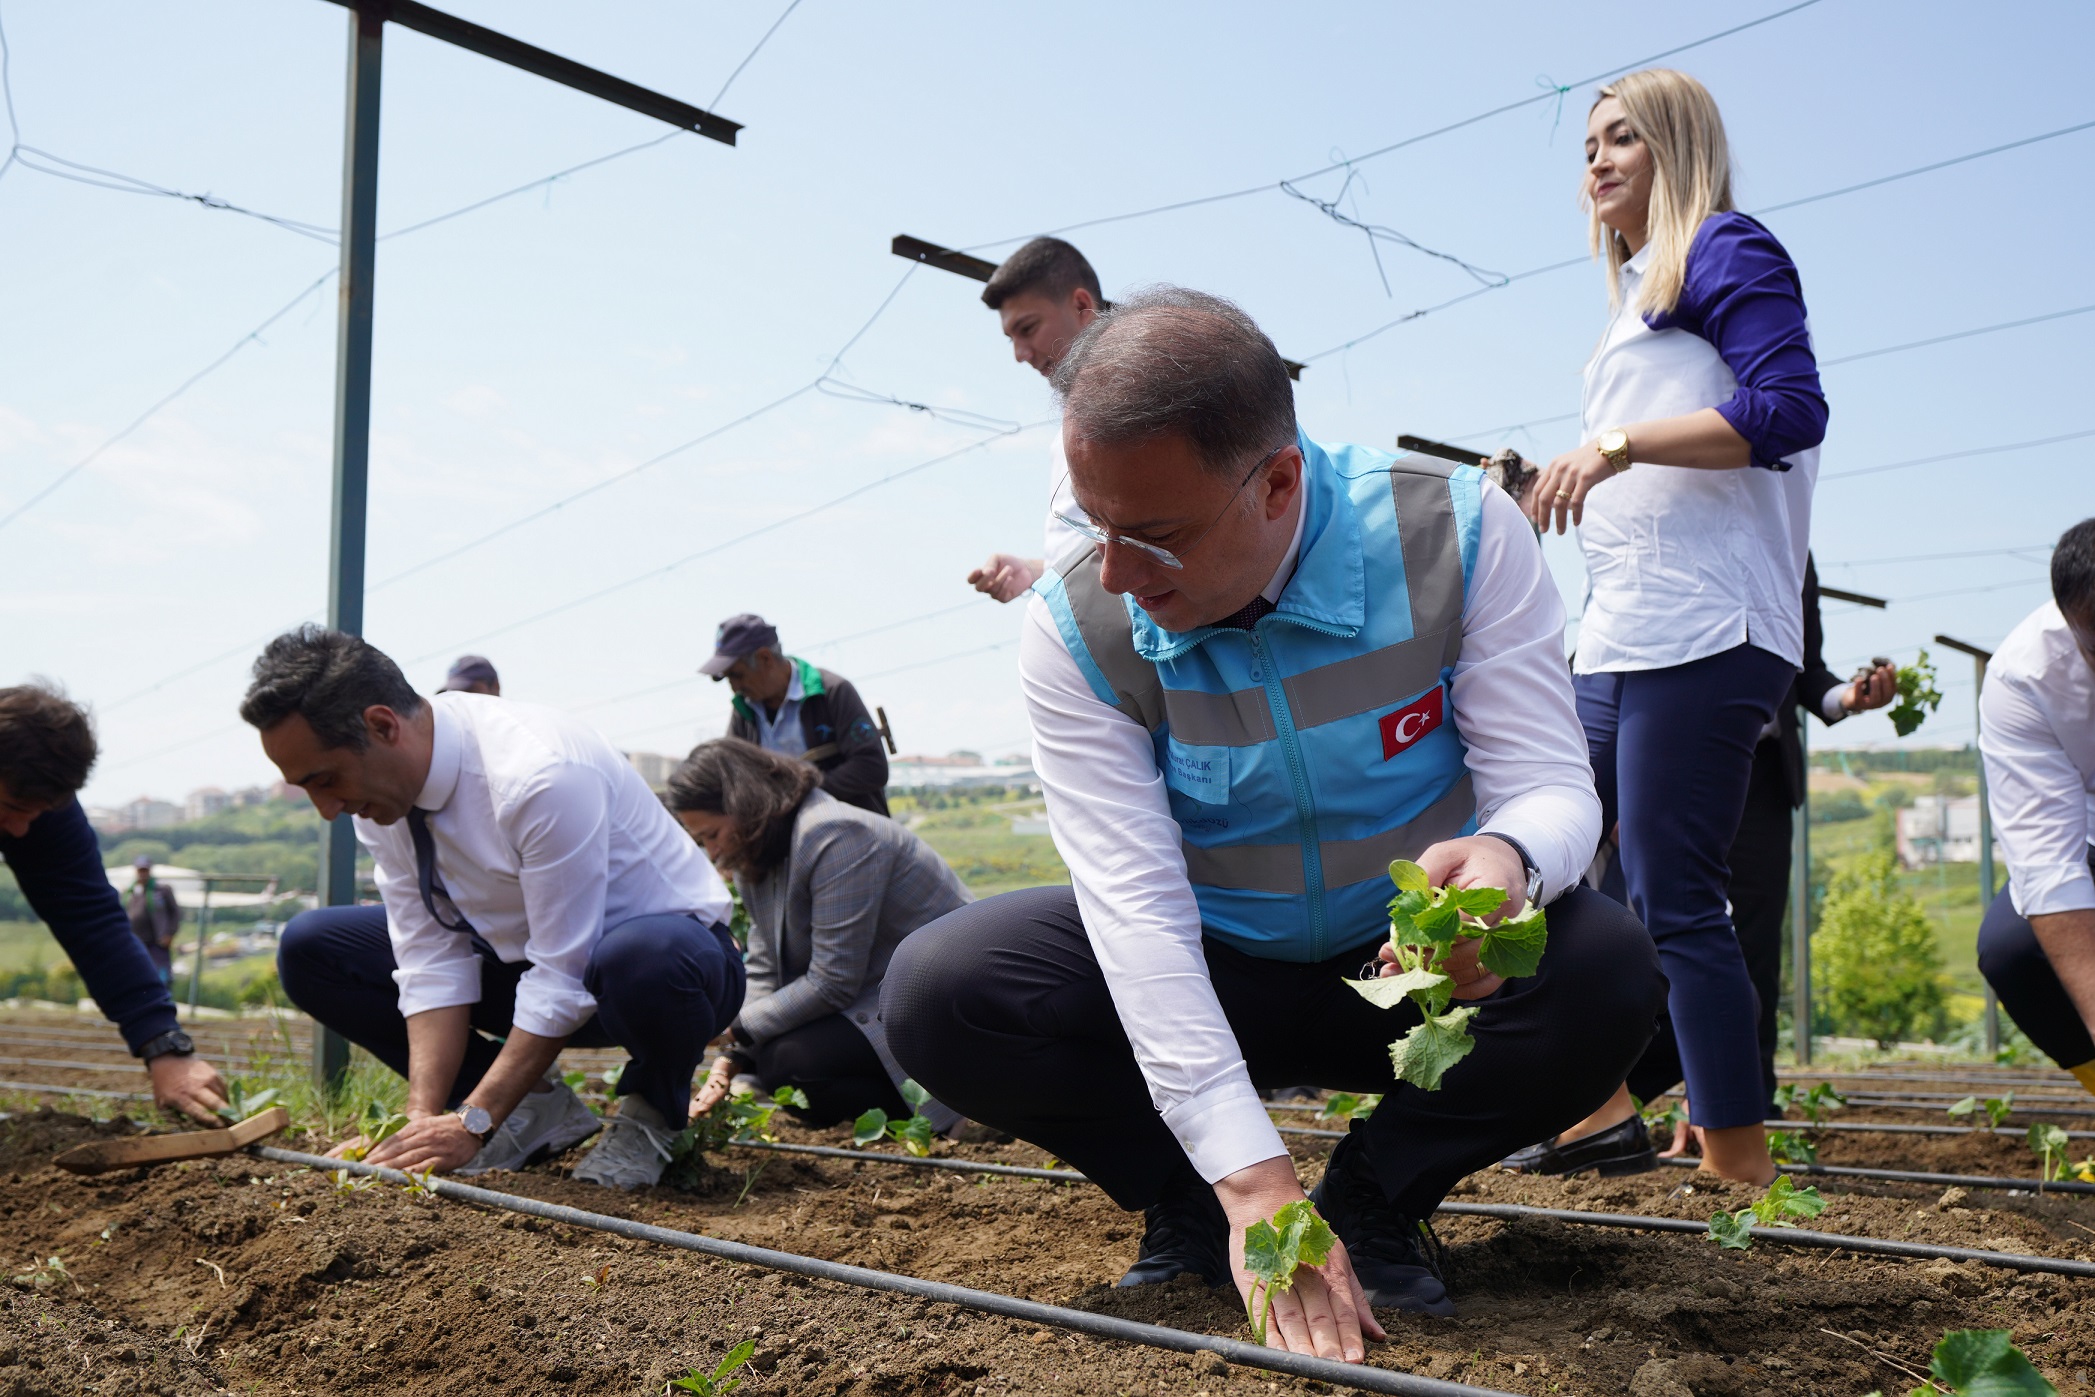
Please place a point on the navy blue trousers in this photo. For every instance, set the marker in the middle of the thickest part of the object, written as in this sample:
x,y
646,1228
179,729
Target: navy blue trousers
x,y
2013,962
1672,753
665,986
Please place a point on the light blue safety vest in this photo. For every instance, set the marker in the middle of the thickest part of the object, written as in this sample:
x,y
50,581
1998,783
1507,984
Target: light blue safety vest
x,y
1303,755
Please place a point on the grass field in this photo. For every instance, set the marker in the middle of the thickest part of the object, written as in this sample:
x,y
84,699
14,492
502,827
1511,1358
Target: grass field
x,y
976,839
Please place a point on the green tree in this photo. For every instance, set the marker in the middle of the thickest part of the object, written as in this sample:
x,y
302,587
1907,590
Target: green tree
x,y
1874,955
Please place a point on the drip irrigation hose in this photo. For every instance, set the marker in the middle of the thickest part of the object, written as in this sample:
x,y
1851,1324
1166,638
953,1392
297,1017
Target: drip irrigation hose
x,y
1347,1375
958,1166
1903,1128
1934,1104
1908,1176
1784,1236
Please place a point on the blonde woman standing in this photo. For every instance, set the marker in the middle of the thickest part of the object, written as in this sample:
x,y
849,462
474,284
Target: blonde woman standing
x,y
1692,495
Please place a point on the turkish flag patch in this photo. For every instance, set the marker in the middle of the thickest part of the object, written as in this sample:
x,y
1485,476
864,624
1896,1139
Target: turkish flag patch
x,y
1413,721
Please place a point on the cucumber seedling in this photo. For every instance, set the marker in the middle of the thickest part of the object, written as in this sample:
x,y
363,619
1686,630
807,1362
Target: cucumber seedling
x,y
1274,1251
1995,1109
1918,696
242,1100
1783,1201
1792,1147
716,1383
915,1132
378,1126
1815,1103
2049,1143
1981,1363
732,1120
1424,924
1345,1106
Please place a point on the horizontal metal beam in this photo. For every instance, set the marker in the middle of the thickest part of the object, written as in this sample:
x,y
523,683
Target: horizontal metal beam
x,y
517,54
1983,656
975,269
1859,598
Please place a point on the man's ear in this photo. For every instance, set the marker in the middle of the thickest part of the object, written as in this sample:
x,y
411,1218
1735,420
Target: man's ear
x,y
1083,302
384,724
1283,481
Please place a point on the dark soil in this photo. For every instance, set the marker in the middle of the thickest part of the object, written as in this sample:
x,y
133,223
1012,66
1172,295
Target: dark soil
x,y
250,1277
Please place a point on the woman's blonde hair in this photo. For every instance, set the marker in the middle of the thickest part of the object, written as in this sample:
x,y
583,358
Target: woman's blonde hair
x,y
1678,121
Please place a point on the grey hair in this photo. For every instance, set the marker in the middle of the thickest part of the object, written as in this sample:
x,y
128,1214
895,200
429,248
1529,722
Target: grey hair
x,y
1170,360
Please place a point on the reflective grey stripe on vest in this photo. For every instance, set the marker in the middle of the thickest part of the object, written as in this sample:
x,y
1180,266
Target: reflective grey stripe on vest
x,y
1102,620
1277,868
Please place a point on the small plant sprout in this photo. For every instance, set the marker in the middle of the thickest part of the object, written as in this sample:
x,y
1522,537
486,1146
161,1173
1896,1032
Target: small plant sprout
x,y
1994,1109
575,1080
1918,696
1345,1106
740,1117
716,1383
597,1279
2048,1143
1816,1103
1783,1201
378,1126
1981,1363
43,1275
242,1100
914,1133
1424,924
1660,1117
1273,1251
1792,1147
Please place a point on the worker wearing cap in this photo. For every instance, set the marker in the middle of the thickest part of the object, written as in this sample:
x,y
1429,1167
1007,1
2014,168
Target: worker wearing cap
x,y
472,674
2037,735
155,916
787,705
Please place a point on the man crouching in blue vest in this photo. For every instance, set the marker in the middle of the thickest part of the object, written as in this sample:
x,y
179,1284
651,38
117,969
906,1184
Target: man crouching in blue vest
x,y
1275,667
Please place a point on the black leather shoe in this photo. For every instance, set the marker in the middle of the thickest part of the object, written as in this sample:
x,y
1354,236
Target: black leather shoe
x,y
1184,1231
1387,1249
1620,1149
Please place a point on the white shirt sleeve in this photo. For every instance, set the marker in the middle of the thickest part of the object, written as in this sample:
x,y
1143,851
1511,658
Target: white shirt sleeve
x,y
1831,706
561,828
434,967
1513,703
1113,826
2038,798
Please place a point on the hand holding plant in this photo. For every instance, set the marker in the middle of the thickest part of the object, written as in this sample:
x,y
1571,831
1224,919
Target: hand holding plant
x,y
1918,696
1274,1250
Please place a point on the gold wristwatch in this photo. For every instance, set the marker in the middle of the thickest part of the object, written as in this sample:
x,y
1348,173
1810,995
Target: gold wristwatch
x,y
1614,444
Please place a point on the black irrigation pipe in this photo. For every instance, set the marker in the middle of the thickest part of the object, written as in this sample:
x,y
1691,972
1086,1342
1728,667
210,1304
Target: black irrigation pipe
x,y
1904,1128
1783,1236
94,1048
2071,1112
128,1065
1350,1375
958,1166
1909,1176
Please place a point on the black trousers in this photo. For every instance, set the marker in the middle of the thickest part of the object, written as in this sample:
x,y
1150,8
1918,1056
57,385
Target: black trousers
x,y
834,1065
1000,1011
2013,962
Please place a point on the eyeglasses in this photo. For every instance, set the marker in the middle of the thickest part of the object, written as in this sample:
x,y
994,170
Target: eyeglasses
x,y
1160,555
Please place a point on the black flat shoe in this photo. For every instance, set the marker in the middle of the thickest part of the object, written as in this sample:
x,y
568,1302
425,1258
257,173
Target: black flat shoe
x,y
1387,1249
1620,1149
1184,1231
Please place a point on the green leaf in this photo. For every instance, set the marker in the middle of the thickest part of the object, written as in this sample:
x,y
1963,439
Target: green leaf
x,y
1785,1200
914,1133
1440,923
915,1095
1389,991
1295,1237
1730,1230
790,1096
1409,877
870,1127
1985,1363
1514,947
1422,1056
2049,1143
1478,902
1962,1108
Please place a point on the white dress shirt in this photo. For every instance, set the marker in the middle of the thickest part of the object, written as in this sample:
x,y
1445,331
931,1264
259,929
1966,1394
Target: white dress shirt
x,y
2037,734
1683,564
782,733
545,836
1061,539
1112,823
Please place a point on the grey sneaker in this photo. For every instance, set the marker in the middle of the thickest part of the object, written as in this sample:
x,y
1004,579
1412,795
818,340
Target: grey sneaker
x,y
634,1150
544,1123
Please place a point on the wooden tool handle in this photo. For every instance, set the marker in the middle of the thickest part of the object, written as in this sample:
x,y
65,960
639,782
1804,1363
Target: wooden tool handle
x,y
101,1156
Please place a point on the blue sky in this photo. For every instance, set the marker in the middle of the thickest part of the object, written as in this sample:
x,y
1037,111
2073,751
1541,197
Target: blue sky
x,y
559,339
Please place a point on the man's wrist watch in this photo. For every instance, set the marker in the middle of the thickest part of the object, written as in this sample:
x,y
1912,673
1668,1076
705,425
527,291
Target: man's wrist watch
x,y
1614,444
173,1042
1533,890
478,1123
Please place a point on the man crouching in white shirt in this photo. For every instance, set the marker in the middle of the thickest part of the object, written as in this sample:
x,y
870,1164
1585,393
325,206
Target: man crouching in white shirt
x,y
1272,668
2037,734
534,890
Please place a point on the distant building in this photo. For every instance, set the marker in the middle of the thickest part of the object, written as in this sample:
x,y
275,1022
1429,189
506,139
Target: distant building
x,y
654,768
1940,829
205,802
959,769
147,813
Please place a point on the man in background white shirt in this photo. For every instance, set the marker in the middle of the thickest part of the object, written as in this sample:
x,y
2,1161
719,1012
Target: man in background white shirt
x,y
534,889
1044,295
2037,734
1281,666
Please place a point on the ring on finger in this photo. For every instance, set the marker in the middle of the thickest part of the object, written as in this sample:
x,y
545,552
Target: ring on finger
x,y
1563,494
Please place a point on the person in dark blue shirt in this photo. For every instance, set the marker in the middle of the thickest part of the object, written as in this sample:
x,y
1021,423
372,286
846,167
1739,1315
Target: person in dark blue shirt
x,y
47,747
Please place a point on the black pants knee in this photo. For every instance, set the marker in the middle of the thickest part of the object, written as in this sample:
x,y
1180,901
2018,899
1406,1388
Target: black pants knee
x,y
834,1065
2013,962
1001,1012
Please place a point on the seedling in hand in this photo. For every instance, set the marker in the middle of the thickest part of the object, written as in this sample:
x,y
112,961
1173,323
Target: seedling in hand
x,y
1274,1251
242,1100
1783,1201
379,1126
1981,1363
716,1383
1918,696
1995,1108
1424,924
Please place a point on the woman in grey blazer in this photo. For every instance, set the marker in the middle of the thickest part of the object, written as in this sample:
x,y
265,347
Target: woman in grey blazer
x,y
831,891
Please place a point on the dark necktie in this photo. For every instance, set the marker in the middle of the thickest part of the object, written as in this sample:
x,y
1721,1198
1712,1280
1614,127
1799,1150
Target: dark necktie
x,y
425,872
1244,620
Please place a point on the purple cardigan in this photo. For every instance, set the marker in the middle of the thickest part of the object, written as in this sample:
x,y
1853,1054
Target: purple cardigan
x,y
1742,294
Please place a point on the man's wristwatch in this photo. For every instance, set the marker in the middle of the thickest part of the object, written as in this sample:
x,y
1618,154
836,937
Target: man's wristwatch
x,y
1533,891
174,1041
1614,444
478,1123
